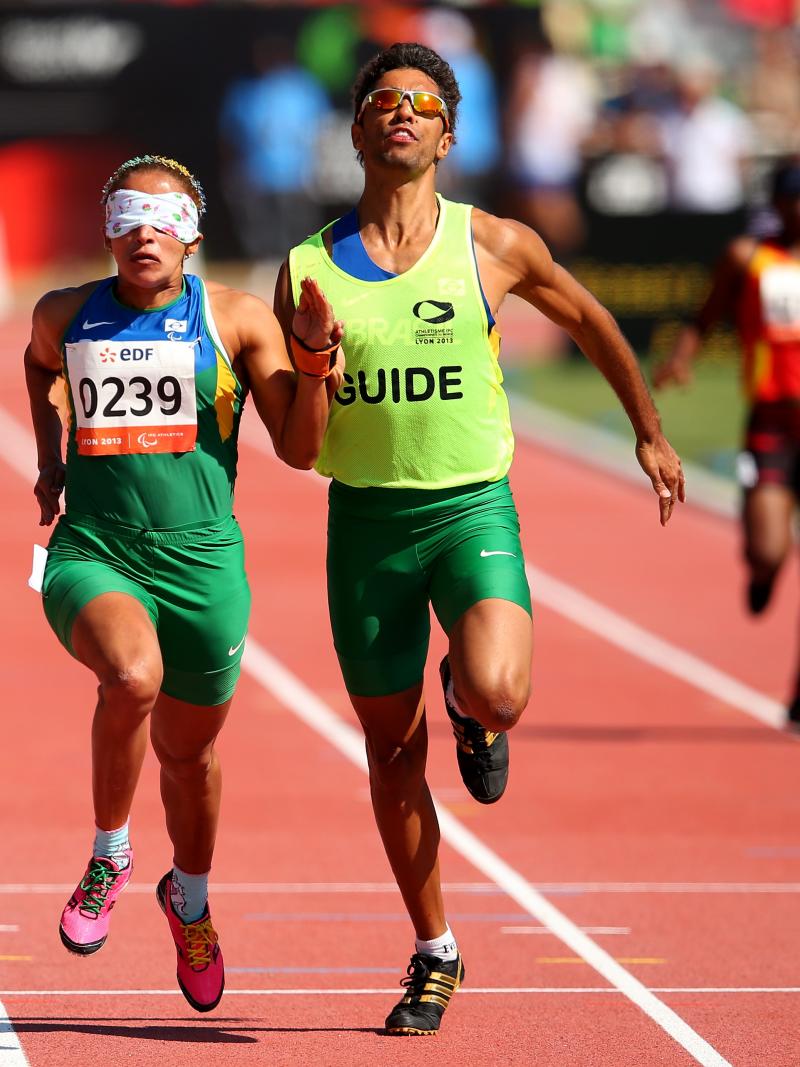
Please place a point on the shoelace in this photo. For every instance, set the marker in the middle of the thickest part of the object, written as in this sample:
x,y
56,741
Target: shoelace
x,y
434,987
200,939
96,884
472,737
418,974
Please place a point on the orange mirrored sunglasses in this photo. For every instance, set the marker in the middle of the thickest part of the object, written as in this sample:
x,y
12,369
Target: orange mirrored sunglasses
x,y
429,105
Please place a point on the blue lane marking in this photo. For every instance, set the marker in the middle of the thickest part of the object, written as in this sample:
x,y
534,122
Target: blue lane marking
x,y
311,970
386,917
768,852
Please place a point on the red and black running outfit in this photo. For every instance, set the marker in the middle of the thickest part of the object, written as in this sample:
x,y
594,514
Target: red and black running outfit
x,y
768,322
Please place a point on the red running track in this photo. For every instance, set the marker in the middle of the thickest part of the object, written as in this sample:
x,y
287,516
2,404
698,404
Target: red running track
x,y
652,814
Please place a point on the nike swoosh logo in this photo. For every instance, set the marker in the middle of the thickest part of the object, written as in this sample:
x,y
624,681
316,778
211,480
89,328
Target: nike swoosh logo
x,y
356,299
91,325
498,553
233,651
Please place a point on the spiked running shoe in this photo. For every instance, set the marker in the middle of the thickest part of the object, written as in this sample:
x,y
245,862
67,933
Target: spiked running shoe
x,y
482,756
429,984
201,974
85,919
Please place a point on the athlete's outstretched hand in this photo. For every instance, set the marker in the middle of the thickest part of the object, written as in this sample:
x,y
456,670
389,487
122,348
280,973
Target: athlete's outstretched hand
x,y
662,466
315,325
314,322
48,489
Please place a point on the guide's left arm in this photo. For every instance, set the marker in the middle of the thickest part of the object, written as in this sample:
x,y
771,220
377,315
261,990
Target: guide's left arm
x,y
518,262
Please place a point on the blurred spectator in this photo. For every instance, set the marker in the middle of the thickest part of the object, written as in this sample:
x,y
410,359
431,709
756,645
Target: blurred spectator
x,y
659,30
551,109
771,90
269,124
707,142
472,161
626,174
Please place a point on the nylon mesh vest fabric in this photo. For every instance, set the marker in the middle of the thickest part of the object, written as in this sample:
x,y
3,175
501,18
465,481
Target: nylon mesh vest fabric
x,y
422,404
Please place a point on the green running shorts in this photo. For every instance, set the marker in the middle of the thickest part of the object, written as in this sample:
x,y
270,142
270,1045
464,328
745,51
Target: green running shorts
x,y
191,581
392,552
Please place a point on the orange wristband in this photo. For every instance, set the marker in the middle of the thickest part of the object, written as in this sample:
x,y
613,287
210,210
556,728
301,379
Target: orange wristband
x,y
316,362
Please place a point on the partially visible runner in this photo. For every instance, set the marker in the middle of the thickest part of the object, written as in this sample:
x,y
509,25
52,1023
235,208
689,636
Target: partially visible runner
x,y
418,447
145,581
756,284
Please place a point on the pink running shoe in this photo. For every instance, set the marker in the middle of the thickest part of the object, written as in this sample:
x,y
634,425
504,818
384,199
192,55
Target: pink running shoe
x,y
85,920
201,974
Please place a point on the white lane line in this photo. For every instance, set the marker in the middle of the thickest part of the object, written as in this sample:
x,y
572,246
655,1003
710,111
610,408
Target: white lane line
x,y
307,706
615,628
11,1054
20,455
9,928
554,594
477,888
592,446
463,991
678,888
634,639
549,933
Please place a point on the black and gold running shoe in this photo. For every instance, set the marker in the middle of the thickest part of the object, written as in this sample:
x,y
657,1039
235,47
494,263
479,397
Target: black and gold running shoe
x,y
482,756
429,984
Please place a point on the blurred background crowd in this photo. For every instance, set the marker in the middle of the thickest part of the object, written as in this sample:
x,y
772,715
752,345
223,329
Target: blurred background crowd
x,y
634,135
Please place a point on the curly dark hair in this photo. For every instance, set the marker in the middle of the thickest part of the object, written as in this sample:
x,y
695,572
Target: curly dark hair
x,y
409,56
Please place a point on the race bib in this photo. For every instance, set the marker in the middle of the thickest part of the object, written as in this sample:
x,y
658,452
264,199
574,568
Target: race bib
x,y
133,396
780,300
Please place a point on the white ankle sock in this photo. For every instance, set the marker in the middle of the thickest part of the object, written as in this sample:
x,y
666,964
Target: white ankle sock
x,y
189,894
443,947
451,698
111,843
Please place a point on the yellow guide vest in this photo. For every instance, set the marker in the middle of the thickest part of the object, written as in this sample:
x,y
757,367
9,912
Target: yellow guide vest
x,y
422,404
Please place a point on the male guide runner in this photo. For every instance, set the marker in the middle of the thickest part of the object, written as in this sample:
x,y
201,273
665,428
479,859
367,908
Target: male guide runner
x,y
418,447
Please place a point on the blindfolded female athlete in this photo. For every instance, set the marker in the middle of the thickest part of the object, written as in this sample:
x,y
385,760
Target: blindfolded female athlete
x,y
145,581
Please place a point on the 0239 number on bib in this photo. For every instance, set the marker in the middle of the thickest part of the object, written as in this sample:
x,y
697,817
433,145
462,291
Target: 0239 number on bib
x,y
133,396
